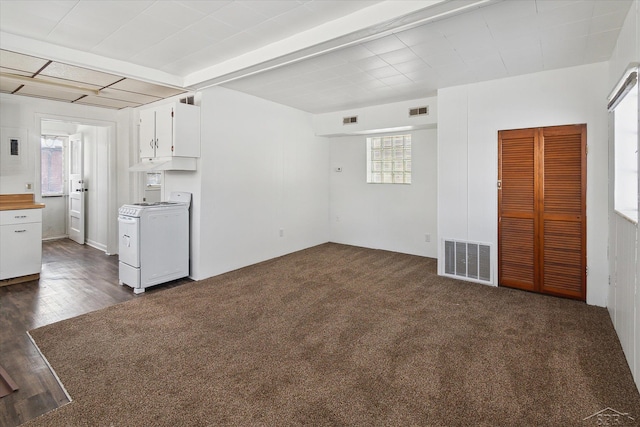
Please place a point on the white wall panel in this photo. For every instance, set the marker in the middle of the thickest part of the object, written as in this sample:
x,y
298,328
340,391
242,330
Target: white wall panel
x,y
384,216
262,170
469,120
624,292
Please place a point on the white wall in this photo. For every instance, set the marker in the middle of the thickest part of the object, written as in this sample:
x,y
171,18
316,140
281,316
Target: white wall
x,y
25,114
377,118
262,170
469,118
382,216
624,262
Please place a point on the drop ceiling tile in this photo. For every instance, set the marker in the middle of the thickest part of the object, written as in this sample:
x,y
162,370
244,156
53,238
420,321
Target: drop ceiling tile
x,y
370,63
397,80
516,28
84,75
106,102
387,71
122,95
34,18
506,11
207,7
20,62
103,17
239,16
345,70
213,29
74,83
385,44
411,66
333,9
138,86
563,15
399,56
578,44
567,31
418,35
371,84
8,86
41,92
271,8
298,19
433,48
68,35
17,72
355,53
449,59
480,37
549,5
359,78
470,21
173,13
133,37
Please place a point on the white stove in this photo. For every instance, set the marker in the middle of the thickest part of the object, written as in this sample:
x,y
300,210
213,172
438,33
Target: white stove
x,y
154,242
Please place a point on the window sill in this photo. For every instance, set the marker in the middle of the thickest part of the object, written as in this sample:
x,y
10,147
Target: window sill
x,y
631,216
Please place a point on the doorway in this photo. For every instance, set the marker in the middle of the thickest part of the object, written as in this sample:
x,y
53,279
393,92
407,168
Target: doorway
x,y
542,210
92,145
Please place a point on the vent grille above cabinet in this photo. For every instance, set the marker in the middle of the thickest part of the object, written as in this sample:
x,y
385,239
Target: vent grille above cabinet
x,y
468,259
349,120
419,111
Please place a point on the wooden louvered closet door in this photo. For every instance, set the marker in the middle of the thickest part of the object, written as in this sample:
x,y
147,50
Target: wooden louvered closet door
x,y
541,206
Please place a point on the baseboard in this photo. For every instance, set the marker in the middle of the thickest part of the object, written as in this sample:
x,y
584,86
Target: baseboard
x,y
96,245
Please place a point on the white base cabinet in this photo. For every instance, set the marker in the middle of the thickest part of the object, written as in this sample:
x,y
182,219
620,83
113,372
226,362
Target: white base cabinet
x,y
20,243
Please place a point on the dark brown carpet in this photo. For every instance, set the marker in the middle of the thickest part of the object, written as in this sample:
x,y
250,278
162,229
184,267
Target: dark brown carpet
x,y
339,335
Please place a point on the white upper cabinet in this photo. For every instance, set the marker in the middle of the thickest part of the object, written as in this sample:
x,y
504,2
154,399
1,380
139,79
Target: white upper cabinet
x,y
171,130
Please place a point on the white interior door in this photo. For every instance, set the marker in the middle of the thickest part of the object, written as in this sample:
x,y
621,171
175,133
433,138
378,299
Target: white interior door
x,y
76,189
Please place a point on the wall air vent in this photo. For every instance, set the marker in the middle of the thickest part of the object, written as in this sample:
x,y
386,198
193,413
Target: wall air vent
x,y
349,120
469,260
419,111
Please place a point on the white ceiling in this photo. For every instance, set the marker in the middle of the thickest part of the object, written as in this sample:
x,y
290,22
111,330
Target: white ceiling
x,y
315,55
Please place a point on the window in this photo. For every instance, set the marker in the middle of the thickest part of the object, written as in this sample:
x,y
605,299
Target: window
x,y
389,160
51,165
624,105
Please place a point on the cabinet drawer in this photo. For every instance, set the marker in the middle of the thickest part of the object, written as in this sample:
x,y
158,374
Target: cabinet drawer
x,y
21,216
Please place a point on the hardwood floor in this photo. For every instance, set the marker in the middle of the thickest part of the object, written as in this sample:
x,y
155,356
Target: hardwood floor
x,y
75,279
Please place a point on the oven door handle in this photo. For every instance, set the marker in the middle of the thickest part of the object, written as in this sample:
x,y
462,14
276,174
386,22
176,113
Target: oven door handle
x,y
127,219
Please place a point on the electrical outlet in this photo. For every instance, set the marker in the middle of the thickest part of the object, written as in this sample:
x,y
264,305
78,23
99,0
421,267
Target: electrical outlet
x,y
282,232
337,219
28,186
427,237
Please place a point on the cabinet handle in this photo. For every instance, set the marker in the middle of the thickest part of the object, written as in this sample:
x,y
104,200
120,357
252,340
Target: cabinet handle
x,y
151,143
20,231
156,142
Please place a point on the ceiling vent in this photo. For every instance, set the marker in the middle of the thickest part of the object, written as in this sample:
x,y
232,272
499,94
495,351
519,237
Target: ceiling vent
x,y
419,111
349,120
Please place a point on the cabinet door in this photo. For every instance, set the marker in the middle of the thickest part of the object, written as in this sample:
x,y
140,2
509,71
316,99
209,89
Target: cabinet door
x,y
21,246
147,133
164,131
